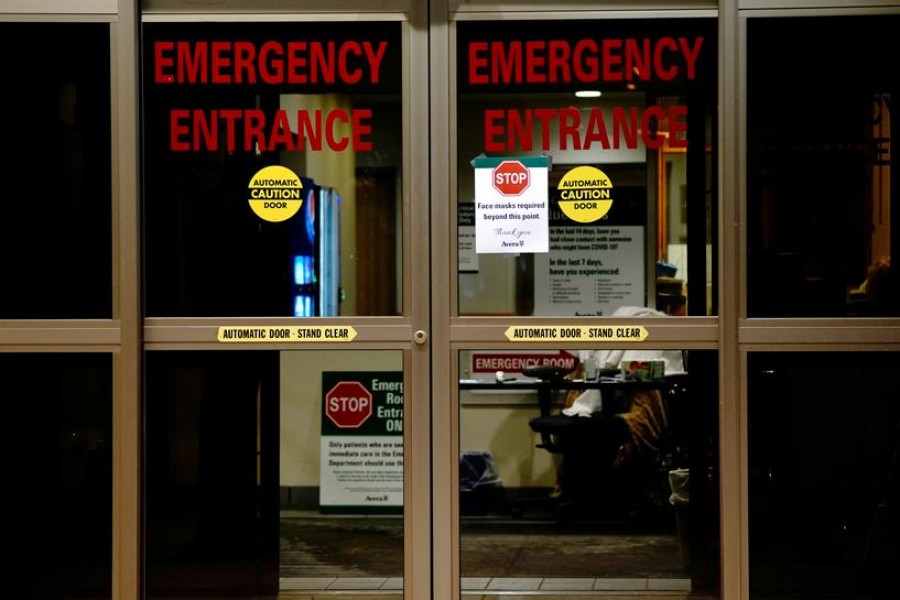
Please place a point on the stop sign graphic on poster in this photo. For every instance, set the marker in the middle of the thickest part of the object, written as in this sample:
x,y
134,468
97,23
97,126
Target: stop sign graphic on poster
x,y
348,404
511,204
510,178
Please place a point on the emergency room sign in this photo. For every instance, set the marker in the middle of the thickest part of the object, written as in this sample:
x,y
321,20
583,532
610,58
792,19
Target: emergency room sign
x,y
511,205
361,452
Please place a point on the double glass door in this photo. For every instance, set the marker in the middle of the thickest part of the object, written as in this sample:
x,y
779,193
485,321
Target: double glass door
x,y
354,346
287,439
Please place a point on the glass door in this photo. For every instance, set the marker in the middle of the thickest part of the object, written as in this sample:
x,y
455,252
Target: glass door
x,y
275,472
286,362
581,315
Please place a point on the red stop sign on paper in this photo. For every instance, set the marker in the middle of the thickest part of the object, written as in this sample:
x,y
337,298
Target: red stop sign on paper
x,y
510,178
348,404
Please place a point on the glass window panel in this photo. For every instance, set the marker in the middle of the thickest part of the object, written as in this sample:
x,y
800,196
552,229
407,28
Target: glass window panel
x,y
819,168
575,477
273,169
211,508
56,459
55,234
824,445
622,112
274,472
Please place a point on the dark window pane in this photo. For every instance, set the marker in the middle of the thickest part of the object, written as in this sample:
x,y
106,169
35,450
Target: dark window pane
x,y
320,102
251,485
56,460
824,454
820,177
55,234
211,517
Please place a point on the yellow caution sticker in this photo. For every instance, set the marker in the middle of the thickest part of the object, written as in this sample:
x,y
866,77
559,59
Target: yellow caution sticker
x,y
280,333
577,333
276,193
585,194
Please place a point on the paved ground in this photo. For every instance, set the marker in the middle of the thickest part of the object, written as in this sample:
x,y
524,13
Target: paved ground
x,y
316,546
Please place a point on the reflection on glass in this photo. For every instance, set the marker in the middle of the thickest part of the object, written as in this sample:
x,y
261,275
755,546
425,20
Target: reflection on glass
x,y
56,459
631,166
273,472
589,470
819,185
341,470
319,100
824,445
56,230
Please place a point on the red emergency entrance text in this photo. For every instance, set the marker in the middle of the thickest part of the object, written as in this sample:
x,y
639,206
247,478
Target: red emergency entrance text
x,y
198,130
507,130
271,62
585,60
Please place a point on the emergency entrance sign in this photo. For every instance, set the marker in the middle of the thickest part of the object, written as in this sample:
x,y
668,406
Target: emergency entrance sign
x,y
361,454
511,205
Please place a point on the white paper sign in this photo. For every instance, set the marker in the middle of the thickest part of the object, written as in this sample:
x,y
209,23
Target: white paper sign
x,y
511,205
361,475
590,270
465,234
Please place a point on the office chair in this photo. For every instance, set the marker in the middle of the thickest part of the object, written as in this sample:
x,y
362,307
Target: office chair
x,y
590,444
550,378
549,382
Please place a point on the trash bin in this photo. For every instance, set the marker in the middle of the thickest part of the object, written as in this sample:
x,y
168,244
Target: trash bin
x,y
679,482
480,488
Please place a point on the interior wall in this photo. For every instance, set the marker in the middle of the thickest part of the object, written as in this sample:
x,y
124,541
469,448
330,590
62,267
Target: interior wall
x,y
301,404
497,422
486,423
502,430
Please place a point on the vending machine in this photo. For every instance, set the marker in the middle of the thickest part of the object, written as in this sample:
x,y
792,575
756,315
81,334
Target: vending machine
x,y
315,252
